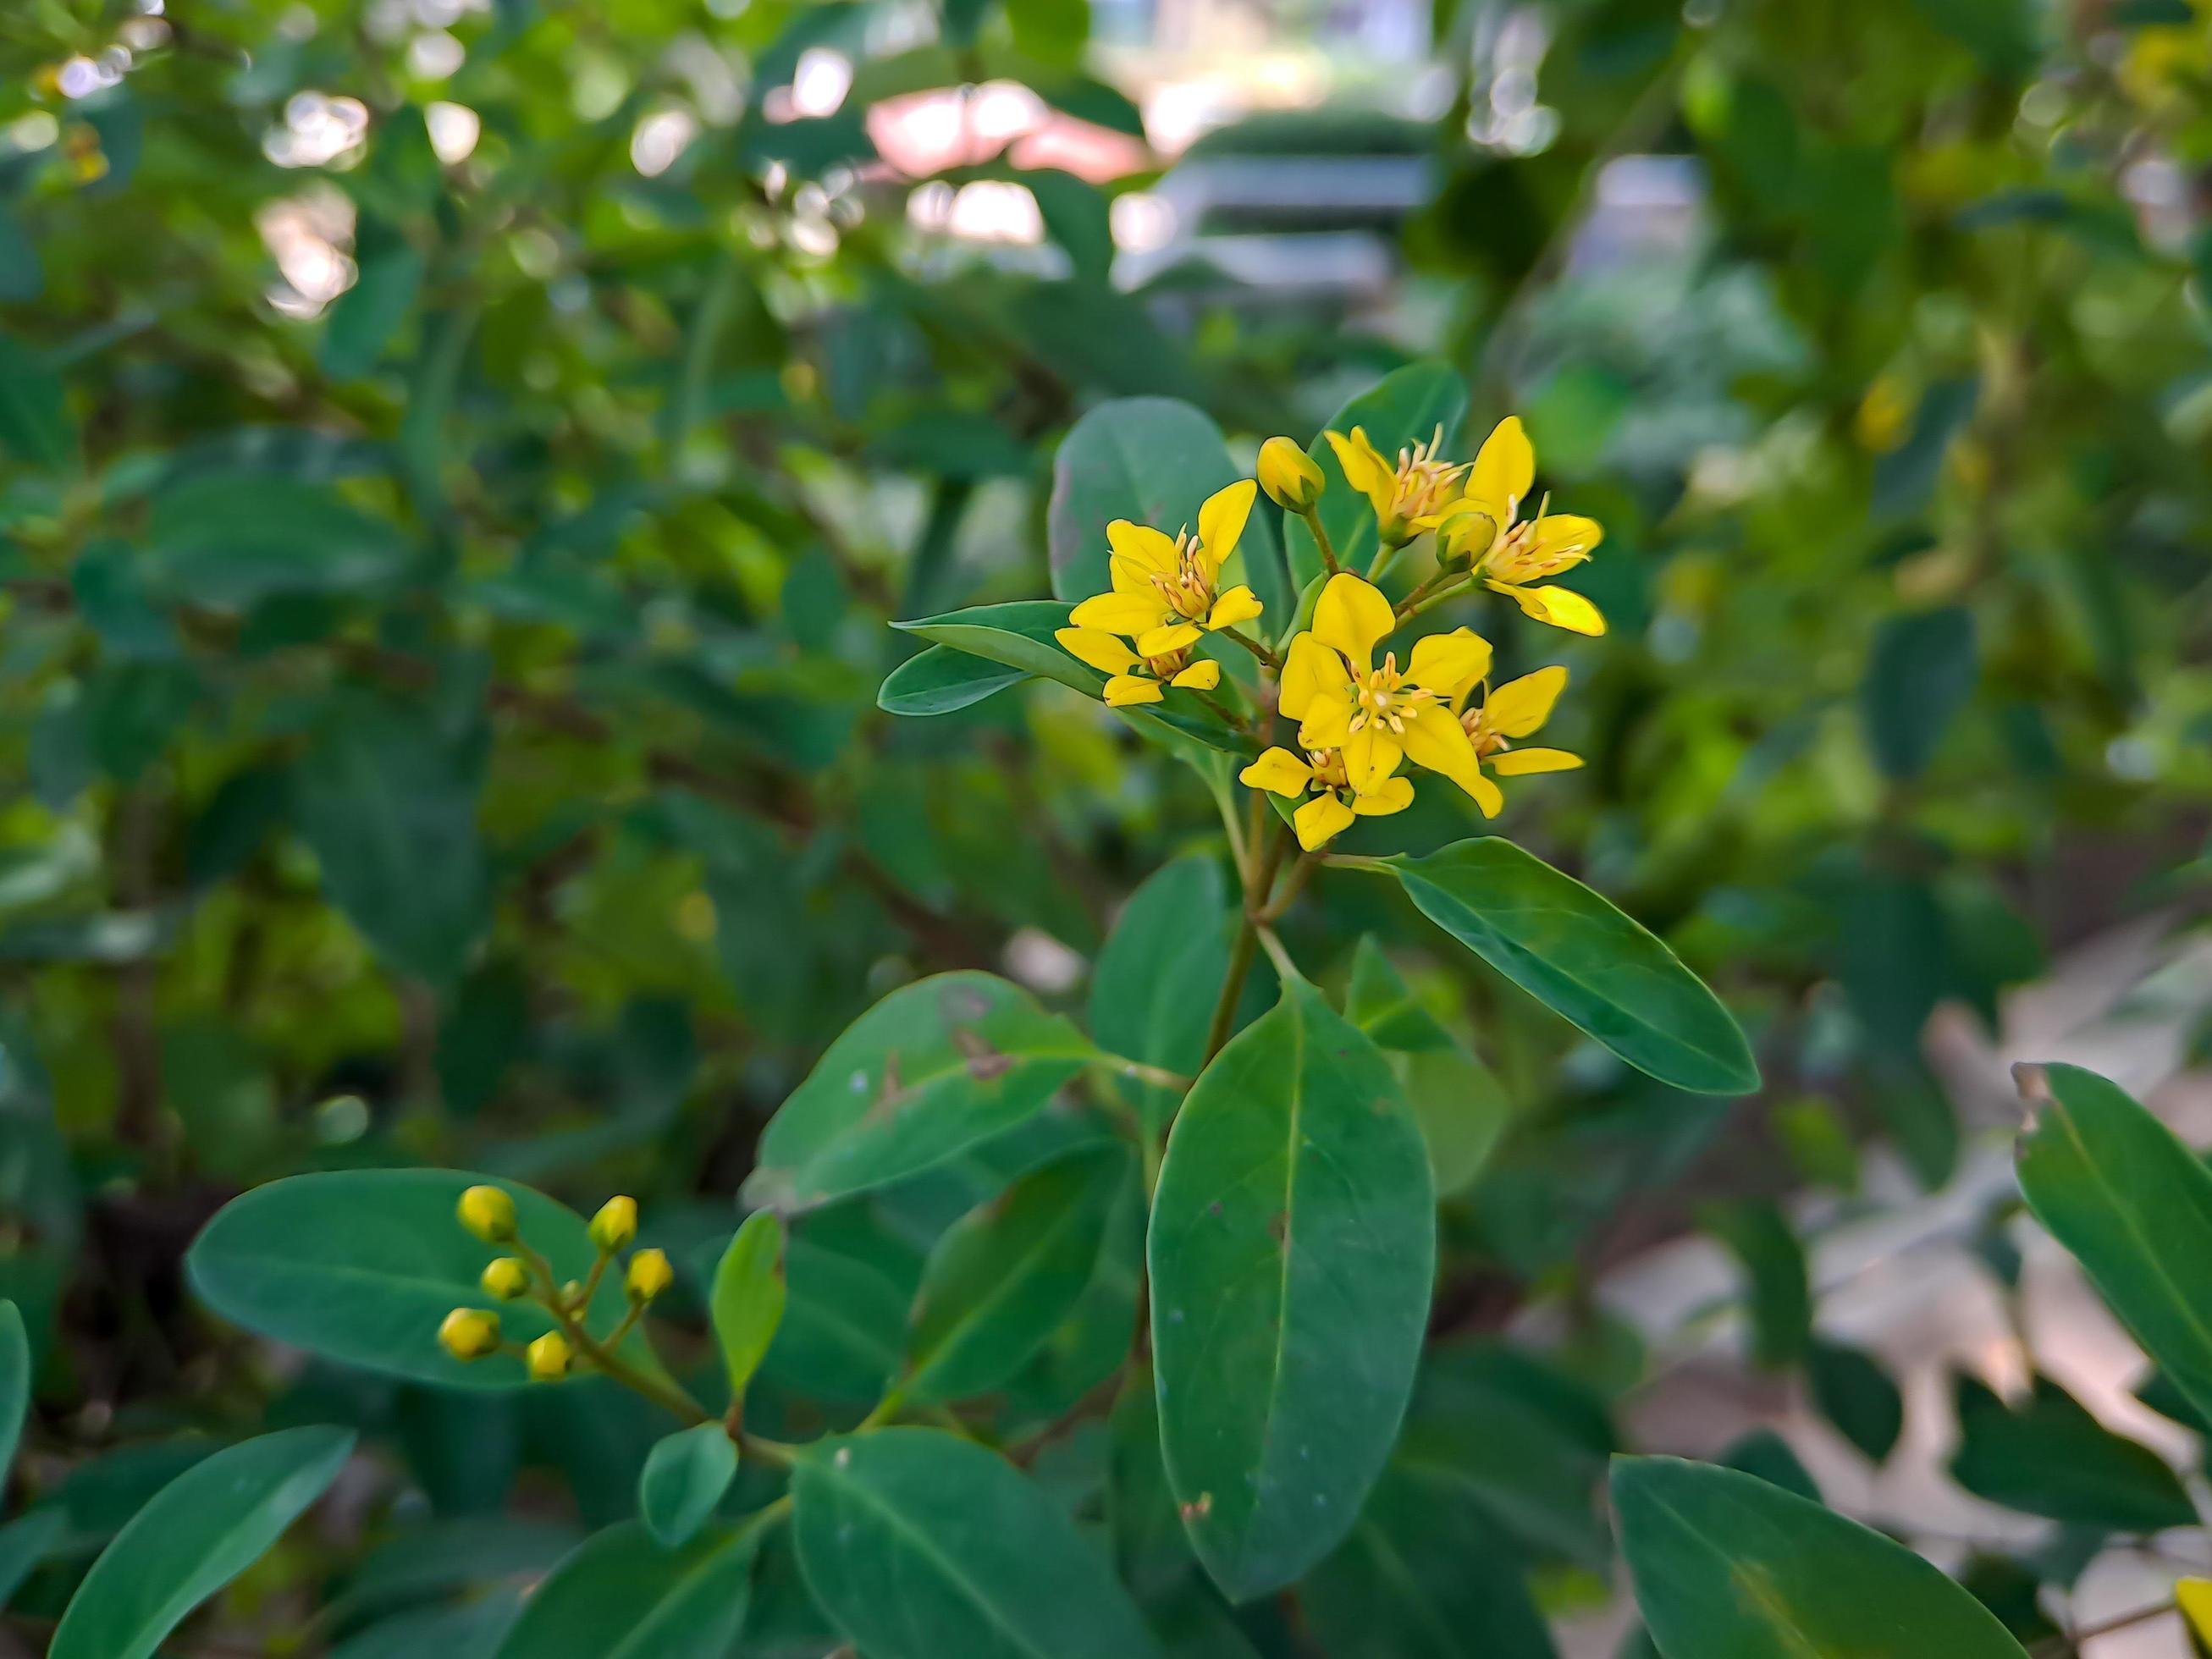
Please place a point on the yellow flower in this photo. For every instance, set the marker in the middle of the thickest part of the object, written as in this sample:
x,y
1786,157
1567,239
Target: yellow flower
x,y
1376,714
1417,487
1108,655
1511,553
488,1214
506,1278
1331,812
649,1275
1289,475
1165,592
615,1225
1515,710
548,1357
469,1333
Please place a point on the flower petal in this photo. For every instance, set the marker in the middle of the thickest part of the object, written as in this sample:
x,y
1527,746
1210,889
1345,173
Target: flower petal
x,y
1567,533
1394,795
1237,604
1166,638
1122,613
1201,676
1142,546
1101,650
1370,755
1221,520
1125,688
1321,821
1279,771
1350,616
1519,706
1310,670
1505,468
1435,740
1364,469
1561,607
1488,796
1447,664
1327,723
1521,763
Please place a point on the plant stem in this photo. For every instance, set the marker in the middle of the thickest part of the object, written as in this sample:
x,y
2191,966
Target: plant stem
x,y
2071,1639
1312,516
667,1395
1418,601
1276,954
1358,861
1158,1076
1232,989
1289,890
1252,645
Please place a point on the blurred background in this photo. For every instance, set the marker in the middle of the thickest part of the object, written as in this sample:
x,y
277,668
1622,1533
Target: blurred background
x,y
458,458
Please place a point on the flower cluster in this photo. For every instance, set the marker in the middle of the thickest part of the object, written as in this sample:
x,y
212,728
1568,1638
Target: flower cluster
x,y
473,1333
1358,719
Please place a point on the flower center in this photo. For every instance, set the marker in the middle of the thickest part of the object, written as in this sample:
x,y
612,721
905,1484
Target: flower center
x,y
1190,592
1382,697
1516,557
1424,481
1488,739
1168,666
1328,768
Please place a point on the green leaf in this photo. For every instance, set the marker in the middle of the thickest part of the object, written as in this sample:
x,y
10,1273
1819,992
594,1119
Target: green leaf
x,y
232,540
684,1478
362,1266
1001,1280
621,1595
1019,635
1585,959
1425,1574
1151,460
844,1322
1727,1566
1923,671
15,1382
1293,1240
1406,407
1458,1102
1153,987
919,1545
747,1300
1762,1452
2049,1456
929,1071
197,1533
1855,1394
1778,1295
34,423
363,318
2120,1191
941,680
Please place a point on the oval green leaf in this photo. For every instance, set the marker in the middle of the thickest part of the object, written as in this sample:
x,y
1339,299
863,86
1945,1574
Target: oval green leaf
x,y
2044,1455
684,1477
919,1545
1406,406
746,1303
1585,959
2134,1205
929,1071
941,680
15,1382
1729,1567
362,1266
1002,1278
621,1595
1153,987
196,1533
1293,1240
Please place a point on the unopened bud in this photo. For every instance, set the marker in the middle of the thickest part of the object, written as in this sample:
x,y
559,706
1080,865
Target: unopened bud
x,y
1289,475
615,1225
649,1275
488,1214
470,1332
1464,537
506,1278
549,1357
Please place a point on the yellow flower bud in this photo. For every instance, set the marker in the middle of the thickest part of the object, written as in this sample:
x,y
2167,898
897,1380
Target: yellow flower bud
x,y
615,1225
1464,537
649,1275
549,1357
488,1214
506,1278
1289,475
470,1332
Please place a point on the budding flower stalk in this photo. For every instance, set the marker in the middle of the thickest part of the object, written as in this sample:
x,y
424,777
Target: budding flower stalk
x,y
506,1278
488,1214
549,1358
469,1333
615,1225
649,1275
